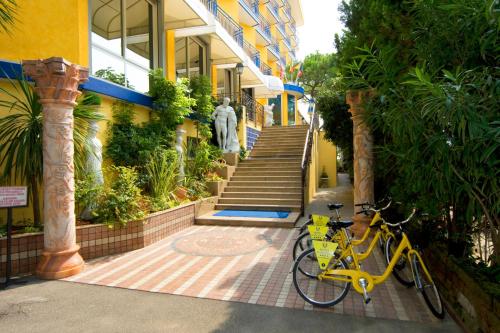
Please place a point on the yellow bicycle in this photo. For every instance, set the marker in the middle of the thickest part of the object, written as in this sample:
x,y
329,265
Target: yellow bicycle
x,y
329,286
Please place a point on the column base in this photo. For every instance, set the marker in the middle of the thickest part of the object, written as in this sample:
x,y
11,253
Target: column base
x,y
59,265
361,223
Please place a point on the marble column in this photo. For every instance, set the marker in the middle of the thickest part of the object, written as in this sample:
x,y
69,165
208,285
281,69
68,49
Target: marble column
x,y
363,156
56,83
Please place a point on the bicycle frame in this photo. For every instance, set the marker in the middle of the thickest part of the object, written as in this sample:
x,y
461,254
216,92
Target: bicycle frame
x,y
353,276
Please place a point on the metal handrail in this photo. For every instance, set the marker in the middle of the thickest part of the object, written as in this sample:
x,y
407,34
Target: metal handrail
x,y
281,28
273,5
265,68
252,52
254,110
264,27
275,46
231,26
306,155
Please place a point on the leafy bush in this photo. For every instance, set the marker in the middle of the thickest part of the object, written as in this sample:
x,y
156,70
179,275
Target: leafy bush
x,y
201,91
171,101
121,201
163,170
86,192
200,159
111,75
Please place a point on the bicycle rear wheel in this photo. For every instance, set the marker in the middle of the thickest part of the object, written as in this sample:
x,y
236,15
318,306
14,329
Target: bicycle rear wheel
x,y
322,293
303,242
402,270
424,283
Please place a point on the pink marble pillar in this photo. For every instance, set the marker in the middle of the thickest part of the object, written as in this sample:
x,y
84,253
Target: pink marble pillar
x,y
363,156
57,86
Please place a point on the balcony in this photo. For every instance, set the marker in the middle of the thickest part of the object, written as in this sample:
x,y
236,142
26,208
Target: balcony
x,y
252,52
263,31
274,50
283,62
287,43
274,9
265,69
287,11
233,28
281,29
249,12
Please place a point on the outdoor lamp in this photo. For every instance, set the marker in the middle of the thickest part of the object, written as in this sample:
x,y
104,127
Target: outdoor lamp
x,y
239,68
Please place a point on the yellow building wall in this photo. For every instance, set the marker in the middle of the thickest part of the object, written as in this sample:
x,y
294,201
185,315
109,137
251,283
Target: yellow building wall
x,y
249,33
284,109
327,157
48,28
170,54
231,7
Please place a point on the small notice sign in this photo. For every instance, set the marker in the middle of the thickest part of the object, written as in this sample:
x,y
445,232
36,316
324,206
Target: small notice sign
x,y
324,252
317,232
13,196
320,220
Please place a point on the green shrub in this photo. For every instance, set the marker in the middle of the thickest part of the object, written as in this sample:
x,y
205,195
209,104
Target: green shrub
x,y
163,170
201,91
121,202
86,192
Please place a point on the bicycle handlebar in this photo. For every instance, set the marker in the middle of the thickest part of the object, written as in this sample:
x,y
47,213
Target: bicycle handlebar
x,y
404,221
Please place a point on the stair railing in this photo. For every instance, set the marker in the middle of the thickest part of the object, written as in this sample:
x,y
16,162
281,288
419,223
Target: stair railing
x,y
306,155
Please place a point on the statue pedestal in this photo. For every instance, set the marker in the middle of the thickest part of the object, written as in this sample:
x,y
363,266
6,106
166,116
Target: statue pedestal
x,y
232,158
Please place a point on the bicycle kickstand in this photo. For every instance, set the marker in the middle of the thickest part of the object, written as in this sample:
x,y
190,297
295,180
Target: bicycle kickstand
x,y
363,283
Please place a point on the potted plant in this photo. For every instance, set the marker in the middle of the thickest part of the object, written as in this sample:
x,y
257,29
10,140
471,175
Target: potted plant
x,y
214,183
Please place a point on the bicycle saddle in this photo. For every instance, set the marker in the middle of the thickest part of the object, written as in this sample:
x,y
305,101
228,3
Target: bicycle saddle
x,y
335,205
341,224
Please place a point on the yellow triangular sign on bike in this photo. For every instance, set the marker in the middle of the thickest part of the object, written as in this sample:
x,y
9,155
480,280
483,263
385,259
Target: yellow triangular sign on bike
x,y
324,252
317,232
320,220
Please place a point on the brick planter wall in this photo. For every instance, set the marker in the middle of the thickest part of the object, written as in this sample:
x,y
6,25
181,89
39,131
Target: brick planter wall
x,y
466,300
98,240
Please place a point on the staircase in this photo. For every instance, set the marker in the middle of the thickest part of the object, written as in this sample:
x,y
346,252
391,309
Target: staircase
x,y
269,180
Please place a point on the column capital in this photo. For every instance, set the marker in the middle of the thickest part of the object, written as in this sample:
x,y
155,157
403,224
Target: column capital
x,y
56,79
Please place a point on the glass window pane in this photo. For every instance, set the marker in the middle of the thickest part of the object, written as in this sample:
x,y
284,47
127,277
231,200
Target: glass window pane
x,y
195,58
291,110
180,57
276,110
106,36
137,77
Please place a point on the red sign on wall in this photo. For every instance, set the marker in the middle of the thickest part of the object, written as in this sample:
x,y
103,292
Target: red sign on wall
x,y
13,196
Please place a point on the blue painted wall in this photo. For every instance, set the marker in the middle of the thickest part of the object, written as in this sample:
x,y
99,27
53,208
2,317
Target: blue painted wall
x,y
252,136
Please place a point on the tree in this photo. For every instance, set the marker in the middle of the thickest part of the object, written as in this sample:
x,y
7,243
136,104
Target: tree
x,y
21,156
8,12
317,70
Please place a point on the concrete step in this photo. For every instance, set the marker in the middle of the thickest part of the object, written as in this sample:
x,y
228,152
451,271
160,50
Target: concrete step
x,y
264,177
263,188
257,183
276,154
297,149
259,201
278,195
292,208
209,219
263,161
271,168
269,172
281,138
279,145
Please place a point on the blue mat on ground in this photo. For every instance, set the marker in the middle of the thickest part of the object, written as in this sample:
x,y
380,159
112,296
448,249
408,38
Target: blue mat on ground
x,y
252,213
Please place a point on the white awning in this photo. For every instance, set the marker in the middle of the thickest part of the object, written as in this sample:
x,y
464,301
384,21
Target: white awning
x,y
274,87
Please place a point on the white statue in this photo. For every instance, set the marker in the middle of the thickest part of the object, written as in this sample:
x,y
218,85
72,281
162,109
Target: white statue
x,y
93,165
233,145
220,115
180,154
268,111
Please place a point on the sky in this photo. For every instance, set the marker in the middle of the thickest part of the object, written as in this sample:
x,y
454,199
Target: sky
x,y
321,22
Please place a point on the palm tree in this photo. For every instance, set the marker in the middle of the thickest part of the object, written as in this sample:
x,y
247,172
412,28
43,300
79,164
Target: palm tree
x,y
8,11
21,157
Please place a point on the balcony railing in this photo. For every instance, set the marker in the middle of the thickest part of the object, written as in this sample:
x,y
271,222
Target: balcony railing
x,y
288,11
281,28
283,61
275,47
265,69
293,27
274,8
234,29
252,52
287,42
252,5
264,27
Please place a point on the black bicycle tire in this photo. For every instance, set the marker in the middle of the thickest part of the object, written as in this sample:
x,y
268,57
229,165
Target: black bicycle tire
x,y
439,313
395,270
298,244
307,298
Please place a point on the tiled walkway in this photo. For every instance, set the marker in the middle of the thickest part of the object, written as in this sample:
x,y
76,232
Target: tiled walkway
x,y
239,264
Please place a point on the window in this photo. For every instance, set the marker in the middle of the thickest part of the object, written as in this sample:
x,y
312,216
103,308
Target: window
x,y
276,110
291,109
123,40
191,60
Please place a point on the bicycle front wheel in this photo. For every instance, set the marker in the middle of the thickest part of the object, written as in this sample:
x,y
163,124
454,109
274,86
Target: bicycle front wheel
x,y
323,293
424,284
402,270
